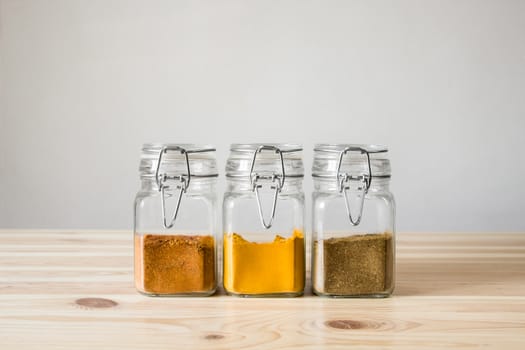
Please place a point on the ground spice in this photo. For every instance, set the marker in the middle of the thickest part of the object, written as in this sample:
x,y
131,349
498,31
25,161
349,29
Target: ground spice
x,y
354,265
174,264
252,268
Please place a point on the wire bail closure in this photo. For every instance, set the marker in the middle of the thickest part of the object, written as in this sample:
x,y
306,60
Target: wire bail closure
x,y
364,182
277,181
182,187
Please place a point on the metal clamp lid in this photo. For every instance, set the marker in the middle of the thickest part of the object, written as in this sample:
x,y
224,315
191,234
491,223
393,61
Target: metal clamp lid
x,y
277,179
184,179
365,180
344,179
254,177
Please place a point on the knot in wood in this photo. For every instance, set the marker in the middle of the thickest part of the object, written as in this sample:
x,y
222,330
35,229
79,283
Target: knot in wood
x,y
346,324
97,303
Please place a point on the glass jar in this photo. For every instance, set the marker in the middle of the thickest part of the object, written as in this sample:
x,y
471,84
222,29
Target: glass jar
x,y
353,244
263,219
176,221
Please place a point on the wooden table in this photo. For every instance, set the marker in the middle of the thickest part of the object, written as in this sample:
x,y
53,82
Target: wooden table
x,y
74,290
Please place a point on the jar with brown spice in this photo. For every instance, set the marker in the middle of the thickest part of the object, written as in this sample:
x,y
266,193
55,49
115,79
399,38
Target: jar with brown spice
x,y
176,221
353,245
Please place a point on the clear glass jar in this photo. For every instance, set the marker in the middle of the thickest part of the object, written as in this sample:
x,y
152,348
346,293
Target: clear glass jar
x,y
176,221
353,244
263,220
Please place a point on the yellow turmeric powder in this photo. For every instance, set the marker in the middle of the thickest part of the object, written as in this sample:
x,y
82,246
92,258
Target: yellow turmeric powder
x,y
276,267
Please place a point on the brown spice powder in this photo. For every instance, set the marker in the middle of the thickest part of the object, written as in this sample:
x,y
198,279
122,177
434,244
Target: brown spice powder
x,y
174,264
354,265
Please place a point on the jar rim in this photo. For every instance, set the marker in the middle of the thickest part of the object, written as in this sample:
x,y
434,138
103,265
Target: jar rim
x,y
265,159
333,160
178,159
340,147
188,147
251,147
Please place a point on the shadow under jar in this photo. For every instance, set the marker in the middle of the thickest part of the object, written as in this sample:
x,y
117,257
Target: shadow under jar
x,y
353,244
175,227
263,214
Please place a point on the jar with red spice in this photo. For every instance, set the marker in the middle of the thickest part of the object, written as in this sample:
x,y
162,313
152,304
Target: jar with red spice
x,y
176,221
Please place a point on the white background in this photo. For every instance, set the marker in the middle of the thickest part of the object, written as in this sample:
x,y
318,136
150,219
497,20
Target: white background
x,y
84,83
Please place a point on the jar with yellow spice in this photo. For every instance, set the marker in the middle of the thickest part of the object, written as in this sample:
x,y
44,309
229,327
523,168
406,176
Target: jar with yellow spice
x,y
176,215
263,219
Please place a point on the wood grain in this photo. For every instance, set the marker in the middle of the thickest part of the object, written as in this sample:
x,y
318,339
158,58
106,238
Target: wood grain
x,y
74,290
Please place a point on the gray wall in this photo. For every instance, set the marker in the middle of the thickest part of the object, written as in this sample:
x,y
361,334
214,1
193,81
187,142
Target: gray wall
x,y
85,83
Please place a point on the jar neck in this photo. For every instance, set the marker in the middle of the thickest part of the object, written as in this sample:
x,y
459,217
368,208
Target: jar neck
x,y
291,185
330,185
197,185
